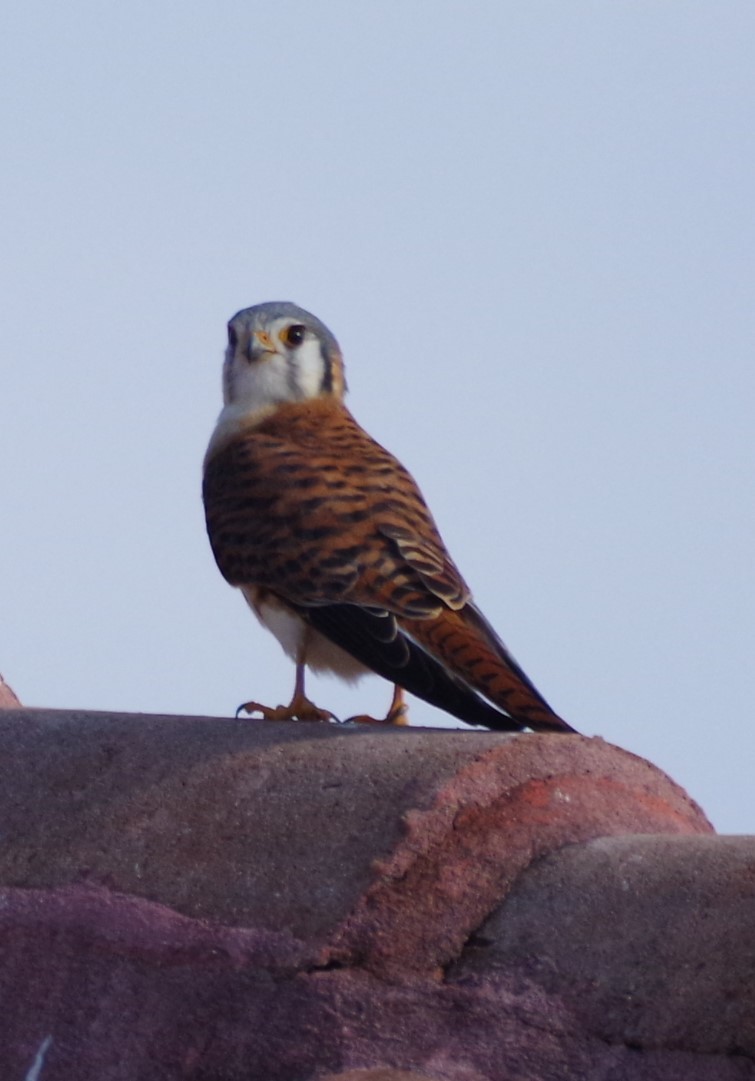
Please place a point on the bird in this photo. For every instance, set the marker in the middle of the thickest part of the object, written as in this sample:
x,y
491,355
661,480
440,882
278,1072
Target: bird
x,y
331,543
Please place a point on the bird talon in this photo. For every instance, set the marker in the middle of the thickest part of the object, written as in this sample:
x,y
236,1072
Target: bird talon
x,y
299,709
398,712
267,713
398,716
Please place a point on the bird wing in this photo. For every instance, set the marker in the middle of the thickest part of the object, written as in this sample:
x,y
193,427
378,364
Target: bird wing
x,y
308,506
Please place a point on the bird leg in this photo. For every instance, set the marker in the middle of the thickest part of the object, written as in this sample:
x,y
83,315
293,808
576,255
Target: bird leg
x,y
398,711
299,708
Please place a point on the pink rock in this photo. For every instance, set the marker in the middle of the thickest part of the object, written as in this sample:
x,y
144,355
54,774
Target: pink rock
x,y
8,699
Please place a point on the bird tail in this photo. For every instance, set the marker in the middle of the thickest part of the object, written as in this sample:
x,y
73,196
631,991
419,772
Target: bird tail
x,y
468,646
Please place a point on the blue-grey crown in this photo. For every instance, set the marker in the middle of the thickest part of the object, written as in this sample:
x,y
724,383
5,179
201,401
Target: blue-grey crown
x,y
282,309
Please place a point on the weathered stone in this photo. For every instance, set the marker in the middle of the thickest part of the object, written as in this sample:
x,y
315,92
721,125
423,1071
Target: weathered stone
x,y
659,929
246,901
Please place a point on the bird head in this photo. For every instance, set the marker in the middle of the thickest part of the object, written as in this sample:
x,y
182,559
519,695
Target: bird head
x,y
277,352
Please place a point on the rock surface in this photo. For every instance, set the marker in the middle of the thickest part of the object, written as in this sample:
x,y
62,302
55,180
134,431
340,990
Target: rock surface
x,y
220,900
667,907
8,699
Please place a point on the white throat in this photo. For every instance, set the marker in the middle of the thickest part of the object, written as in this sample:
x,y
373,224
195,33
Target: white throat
x,y
252,391
290,376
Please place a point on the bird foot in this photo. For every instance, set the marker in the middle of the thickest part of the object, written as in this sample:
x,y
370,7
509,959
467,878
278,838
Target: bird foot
x,y
399,715
299,709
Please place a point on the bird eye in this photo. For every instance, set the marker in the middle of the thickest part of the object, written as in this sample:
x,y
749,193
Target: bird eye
x,y
233,338
294,335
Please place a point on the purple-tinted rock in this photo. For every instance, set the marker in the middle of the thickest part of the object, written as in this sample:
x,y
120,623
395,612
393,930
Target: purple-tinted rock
x,y
378,1075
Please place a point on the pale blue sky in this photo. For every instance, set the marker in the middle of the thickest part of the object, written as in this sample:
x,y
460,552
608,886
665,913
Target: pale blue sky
x,y
529,224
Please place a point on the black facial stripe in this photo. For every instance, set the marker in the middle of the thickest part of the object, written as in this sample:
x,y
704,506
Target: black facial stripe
x,y
326,385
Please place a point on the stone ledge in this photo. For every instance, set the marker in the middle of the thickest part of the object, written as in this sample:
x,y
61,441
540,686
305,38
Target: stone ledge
x,y
221,899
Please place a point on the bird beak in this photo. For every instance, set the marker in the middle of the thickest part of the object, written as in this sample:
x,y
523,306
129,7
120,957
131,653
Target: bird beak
x,y
259,344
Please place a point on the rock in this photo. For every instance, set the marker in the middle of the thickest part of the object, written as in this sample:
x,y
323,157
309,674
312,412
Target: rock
x,y
8,699
218,899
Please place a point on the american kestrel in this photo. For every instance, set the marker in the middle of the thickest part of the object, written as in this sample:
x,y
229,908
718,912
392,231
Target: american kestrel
x,y
329,539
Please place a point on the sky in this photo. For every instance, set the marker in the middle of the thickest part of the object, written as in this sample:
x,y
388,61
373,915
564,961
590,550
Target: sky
x,y
530,226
